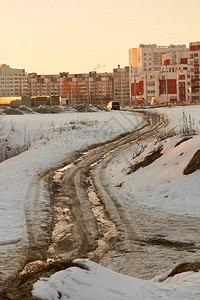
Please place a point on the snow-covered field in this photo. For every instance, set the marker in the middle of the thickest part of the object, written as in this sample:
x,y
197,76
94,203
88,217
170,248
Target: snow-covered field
x,y
160,185
49,138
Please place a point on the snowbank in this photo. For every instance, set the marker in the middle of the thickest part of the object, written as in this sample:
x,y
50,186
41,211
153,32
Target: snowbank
x,y
97,282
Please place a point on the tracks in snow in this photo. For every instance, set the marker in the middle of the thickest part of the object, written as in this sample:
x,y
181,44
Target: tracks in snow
x,y
89,220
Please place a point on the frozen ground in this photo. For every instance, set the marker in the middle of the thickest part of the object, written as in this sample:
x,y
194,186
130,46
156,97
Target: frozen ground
x,y
160,185
53,134
49,138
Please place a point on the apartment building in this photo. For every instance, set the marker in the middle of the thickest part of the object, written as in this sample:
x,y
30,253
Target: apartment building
x,y
174,79
149,57
74,87
100,87
13,82
121,85
43,85
92,88
194,71
167,86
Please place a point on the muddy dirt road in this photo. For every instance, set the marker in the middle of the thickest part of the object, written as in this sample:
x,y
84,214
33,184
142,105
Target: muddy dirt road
x,y
87,219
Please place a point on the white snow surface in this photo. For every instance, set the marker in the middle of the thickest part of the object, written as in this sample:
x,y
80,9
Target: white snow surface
x,y
162,184
51,139
100,283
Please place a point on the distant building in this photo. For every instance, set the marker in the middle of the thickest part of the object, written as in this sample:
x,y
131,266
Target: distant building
x,y
13,82
43,85
149,57
164,74
121,85
92,88
100,88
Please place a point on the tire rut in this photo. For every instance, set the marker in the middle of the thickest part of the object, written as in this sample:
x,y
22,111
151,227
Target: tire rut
x,y
86,221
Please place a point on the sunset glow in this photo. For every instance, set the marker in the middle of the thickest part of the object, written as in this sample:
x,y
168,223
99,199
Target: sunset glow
x,y
75,36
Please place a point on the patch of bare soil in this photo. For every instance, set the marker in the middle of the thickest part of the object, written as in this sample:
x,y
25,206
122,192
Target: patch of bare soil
x,y
25,109
171,244
84,108
183,140
185,267
20,288
12,111
48,109
194,164
147,160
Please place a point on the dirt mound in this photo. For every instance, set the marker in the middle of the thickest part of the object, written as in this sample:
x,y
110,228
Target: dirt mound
x,y
194,164
83,108
146,161
183,140
21,110
51,109
20,287
88,108
48,109
25,109
102,108
185,267
11,111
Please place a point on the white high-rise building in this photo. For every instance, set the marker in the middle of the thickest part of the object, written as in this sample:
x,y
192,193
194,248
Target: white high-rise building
x,y
13,82
163,74
149,57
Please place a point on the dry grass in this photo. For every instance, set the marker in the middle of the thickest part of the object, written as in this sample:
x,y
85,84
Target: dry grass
x,y
149,159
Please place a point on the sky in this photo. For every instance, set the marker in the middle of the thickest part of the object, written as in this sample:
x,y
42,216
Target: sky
x,y
76,36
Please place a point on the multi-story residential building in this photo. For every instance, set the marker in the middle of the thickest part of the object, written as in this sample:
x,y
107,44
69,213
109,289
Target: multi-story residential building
x,y
13,82
74,87
89,88
100,88
174,79
121,85
149,57
43,85
169,85
193,68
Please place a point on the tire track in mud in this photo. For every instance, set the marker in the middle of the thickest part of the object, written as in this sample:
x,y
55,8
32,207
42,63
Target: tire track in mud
x,y
70,186
85,222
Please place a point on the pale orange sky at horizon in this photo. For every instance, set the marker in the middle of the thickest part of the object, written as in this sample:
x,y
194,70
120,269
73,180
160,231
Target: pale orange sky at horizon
x,y
48,37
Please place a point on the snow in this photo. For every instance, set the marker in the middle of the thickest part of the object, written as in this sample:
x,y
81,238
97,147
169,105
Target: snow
x,y
175,115
52,138
162,185
100,283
